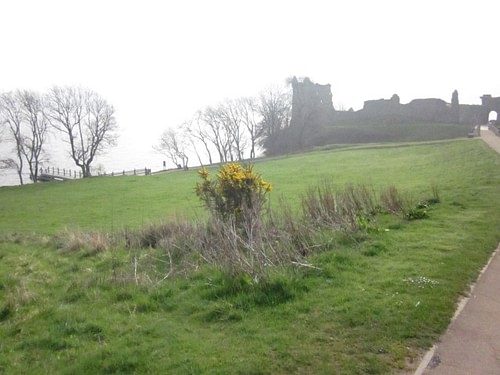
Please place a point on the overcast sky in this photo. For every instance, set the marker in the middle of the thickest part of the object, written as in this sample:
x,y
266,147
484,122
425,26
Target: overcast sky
x,y
159,61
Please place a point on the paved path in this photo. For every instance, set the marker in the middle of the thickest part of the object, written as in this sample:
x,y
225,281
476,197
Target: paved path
x,y
491,139
471,345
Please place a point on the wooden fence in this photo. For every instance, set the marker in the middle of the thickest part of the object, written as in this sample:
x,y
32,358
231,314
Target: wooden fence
x,y
51,173
132,172
61,174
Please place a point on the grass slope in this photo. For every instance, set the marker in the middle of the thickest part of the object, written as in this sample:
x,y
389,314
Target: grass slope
x,y
392,132
112,203
369,308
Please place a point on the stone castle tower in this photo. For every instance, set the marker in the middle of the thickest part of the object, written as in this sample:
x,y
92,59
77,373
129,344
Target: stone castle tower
x,y
311,104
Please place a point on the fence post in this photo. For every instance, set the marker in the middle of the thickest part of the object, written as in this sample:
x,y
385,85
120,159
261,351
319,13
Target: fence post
x,y
123,174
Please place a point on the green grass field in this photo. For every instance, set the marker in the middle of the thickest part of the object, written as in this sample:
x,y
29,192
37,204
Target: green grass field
x,y
368,307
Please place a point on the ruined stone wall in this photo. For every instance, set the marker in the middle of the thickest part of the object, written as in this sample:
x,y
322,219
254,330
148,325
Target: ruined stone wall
x,y
471,114
429,110
381,109
489,104
312,107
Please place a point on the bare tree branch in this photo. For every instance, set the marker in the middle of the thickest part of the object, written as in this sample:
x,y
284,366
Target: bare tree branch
x,y
196,129
216,132
250,116
11,116
8,164
229,113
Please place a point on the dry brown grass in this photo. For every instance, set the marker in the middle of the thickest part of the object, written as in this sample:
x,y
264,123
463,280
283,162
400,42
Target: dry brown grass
x,y
339,210
90,242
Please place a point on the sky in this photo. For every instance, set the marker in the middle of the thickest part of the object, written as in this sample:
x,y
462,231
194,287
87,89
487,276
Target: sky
x,y
157,62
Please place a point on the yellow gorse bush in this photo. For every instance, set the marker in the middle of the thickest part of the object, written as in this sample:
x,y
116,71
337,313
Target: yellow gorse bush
x,y
234,176
237,189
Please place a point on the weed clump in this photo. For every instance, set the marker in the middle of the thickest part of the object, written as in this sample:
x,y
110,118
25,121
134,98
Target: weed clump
x,y
350,209
244,241
91,243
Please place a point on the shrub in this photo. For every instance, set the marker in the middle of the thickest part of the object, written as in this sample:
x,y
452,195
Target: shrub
x,y
349,209
392,201
236,191
245,250
416,213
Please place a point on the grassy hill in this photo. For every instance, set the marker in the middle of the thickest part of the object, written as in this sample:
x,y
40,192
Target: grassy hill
x,y
365,131
374,131
369,304
111,203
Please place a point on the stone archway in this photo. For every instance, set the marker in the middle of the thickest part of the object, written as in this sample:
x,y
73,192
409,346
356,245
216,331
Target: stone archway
x,y
489,105
493,117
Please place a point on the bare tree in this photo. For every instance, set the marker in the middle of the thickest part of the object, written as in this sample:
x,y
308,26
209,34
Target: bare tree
x,y
225,130
36,130
229,128
190,140
196,130
230,115
173,144
217,132
249,112
11,116
275,109
86,119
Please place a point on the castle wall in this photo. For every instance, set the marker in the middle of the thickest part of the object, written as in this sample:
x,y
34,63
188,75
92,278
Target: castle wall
x,y
472,114
312,107
429,110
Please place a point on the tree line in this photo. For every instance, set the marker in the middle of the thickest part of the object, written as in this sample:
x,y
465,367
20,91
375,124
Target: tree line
x,y
232,130
83,118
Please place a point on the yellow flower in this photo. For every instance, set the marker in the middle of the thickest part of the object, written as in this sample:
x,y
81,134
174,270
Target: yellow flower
x,y
203,172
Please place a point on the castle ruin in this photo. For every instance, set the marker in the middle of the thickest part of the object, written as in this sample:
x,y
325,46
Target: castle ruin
x,y
312,106
311,103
